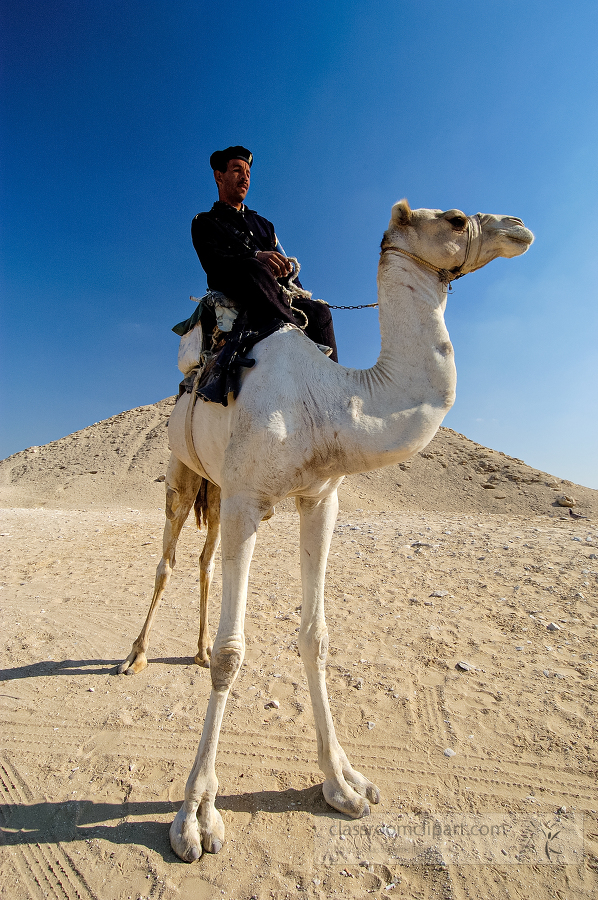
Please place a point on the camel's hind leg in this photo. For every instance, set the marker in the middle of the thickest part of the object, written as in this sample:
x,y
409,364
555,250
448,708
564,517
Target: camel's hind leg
x,y
182,485
206,572
345,789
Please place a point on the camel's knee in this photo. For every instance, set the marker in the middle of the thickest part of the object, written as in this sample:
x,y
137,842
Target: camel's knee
x,y
164,569
225,663
313,646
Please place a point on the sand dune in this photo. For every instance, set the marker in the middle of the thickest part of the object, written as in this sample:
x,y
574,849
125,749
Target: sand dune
x,y
117,462
430,567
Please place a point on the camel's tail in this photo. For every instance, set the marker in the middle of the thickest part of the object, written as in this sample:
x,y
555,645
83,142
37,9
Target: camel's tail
x,y
200,506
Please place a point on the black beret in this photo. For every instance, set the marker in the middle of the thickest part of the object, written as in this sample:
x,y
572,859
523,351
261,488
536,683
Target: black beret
x,y
220,158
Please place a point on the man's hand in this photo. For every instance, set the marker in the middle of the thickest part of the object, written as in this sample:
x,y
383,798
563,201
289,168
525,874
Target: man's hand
x,y
278,264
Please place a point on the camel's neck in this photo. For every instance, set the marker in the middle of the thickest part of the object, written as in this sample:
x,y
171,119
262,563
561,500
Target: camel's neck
x,y
415,342
412,385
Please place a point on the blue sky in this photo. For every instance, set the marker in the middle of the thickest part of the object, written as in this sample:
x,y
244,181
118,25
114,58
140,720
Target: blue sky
x,y
111,110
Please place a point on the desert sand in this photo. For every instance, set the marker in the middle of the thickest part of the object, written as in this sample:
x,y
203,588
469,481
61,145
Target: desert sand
x,y
463,614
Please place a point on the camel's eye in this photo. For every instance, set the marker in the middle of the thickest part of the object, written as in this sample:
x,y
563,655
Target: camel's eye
x,y
458,221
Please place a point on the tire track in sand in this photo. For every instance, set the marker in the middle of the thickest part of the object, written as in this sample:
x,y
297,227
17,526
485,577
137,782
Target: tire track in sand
x,y
46,870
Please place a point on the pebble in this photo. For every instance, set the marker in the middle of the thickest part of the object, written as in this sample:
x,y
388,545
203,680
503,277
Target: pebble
x,y
464,666
272,704
428,603
439,594
359,684
448,752
552,626
370,725
546,672
91,690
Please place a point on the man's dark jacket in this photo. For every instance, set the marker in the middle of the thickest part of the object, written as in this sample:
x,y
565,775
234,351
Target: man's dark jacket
x,y
226,241
224,236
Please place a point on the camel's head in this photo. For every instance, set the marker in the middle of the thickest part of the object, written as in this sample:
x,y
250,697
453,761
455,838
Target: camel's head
x,y
451,240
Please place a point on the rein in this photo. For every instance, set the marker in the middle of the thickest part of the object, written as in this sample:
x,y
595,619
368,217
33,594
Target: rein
x,y
472,254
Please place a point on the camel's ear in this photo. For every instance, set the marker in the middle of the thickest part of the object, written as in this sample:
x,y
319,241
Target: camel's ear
x,y
401,214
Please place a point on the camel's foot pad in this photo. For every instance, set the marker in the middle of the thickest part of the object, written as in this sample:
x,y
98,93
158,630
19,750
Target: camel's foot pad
x,y
193,833
133,664
350,792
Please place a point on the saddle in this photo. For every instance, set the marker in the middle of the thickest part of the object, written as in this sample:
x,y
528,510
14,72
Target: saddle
x,y
213,350
215,342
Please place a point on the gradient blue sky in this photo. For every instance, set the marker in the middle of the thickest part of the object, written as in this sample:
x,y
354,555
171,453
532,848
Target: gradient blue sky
x,y
110,111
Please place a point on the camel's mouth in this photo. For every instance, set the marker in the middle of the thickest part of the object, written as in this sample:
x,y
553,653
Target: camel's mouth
x,y
520,234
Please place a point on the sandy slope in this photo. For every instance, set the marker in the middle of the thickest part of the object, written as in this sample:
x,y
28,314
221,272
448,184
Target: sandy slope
x,y
93,766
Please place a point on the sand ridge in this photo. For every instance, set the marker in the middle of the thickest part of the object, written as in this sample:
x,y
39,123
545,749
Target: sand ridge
x,y
93,766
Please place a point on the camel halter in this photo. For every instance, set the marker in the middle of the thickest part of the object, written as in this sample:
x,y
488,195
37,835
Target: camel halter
x,y
472,254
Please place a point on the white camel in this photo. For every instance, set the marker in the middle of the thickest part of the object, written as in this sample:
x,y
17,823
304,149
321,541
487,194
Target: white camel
x,y
299,425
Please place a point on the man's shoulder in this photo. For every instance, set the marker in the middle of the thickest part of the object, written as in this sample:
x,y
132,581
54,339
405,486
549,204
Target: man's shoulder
x,y
254,214
208,214
206,223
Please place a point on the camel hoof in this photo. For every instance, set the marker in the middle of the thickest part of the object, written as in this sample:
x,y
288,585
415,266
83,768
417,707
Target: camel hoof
x,y
341,796
133,664
202,661
185,838
373,794
189,836
361,785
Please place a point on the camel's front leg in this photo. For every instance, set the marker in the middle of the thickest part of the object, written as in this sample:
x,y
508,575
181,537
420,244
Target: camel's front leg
x,y
182,485
198,824
344,788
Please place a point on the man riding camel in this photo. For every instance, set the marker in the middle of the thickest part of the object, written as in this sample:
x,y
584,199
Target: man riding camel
x,y
241,256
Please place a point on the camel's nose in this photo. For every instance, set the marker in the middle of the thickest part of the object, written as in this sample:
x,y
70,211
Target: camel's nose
x,y
513,220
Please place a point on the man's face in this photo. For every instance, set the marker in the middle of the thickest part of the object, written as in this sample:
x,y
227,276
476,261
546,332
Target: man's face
x,y
234,183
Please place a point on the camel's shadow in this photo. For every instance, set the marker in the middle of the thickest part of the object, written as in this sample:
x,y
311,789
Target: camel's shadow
x,y
81,667
84,820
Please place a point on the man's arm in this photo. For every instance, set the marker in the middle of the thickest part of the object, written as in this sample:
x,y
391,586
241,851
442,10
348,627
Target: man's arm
x,y
216,247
